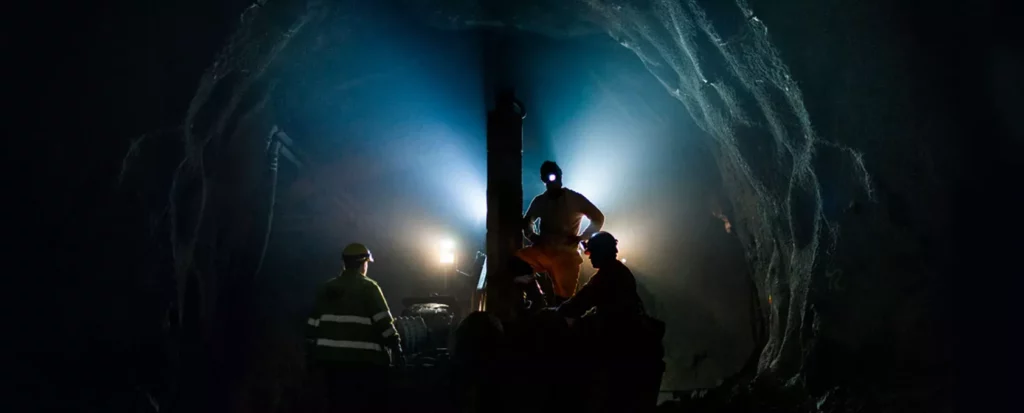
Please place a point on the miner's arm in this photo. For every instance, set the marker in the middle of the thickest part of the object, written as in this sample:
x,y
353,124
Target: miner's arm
x,y
595,216
591,295
529,219
383,322
313,322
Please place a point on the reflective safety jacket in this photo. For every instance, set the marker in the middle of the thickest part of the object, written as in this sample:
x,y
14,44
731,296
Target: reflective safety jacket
x,y
351,322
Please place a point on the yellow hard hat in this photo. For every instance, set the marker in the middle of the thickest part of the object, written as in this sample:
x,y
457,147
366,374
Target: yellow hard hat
x,y
356,250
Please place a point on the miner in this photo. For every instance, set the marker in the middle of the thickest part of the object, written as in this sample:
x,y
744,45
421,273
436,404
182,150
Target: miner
x,y
555,250
351,337
624,346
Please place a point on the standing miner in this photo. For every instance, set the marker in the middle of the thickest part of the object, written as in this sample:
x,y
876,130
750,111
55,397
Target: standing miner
x,y
351,337
555,249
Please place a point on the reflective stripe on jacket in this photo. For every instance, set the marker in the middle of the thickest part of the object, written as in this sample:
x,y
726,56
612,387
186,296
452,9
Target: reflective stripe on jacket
x,y
351,322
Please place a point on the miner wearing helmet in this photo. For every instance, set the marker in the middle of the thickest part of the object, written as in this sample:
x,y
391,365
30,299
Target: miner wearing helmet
x,y
555,250
351,336
612,289
624,344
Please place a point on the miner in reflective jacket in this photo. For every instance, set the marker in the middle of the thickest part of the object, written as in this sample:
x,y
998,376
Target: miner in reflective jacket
x,y
351,337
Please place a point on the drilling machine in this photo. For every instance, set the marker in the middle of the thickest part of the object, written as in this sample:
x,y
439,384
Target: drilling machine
x,y
507,346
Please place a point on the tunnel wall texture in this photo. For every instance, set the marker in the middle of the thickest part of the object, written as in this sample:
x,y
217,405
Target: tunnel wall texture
x,y
834,182
216,211
792,186
835,157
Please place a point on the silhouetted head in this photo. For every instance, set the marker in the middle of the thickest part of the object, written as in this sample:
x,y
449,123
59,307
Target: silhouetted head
x,y
551,174
602,248
357,257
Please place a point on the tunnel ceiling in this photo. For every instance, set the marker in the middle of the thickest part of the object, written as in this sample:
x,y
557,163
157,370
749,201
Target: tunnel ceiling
x,y
815,185
548,17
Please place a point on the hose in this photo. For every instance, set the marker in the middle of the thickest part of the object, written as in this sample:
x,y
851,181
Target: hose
x,y
274,152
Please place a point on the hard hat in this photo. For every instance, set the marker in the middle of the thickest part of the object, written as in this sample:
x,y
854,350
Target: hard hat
x,y
549,169
602,242
356,250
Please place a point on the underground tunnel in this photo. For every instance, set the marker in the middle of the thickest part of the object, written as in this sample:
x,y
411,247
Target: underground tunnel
x,y
781,188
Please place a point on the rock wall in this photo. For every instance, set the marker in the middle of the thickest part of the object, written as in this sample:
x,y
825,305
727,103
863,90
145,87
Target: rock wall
x,y
835,173
829,133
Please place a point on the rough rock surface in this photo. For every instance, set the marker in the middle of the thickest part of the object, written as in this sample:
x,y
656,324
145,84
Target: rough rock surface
x,y
836,184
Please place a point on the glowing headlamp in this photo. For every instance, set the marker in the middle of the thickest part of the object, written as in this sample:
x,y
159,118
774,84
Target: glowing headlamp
x,y
552,177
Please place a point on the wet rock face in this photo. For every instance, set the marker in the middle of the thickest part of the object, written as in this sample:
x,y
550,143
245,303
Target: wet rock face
x,y
827,131
836,171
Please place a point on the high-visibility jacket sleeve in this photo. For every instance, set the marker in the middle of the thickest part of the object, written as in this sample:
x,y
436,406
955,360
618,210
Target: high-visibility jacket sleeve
x,y
381,317
313,321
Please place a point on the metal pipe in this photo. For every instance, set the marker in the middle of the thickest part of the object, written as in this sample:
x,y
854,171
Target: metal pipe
x,y
504,199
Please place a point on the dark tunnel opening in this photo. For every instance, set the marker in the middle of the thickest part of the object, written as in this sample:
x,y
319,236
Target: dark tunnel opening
x,y
795,196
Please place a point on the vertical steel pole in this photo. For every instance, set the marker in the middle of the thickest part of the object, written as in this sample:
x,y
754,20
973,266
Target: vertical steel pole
x,y
504,198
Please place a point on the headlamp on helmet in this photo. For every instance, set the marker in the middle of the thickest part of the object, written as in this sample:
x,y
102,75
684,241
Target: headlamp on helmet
x,y
550,172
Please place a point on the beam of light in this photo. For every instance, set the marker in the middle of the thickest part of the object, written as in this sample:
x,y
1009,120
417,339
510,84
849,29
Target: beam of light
x,y
477,204
451,165
610,158
598,165
598,160
467,191
447,251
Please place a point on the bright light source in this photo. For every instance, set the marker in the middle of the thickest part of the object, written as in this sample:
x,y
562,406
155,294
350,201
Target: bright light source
x,y
623,260
447,251
552,177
